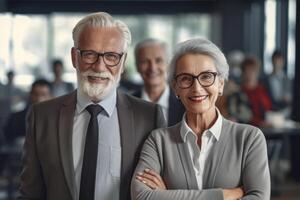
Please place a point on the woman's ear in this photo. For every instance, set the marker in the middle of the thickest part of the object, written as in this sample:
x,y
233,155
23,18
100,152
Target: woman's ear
x,y
221,85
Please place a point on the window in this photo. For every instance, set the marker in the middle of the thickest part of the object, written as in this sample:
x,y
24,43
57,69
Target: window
x,y
291,38
30,42
24,47
270,37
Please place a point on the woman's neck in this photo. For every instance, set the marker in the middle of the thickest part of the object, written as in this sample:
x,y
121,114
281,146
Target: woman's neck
x,y
201,122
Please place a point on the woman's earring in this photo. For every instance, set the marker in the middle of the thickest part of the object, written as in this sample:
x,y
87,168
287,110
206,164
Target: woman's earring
x,y
177,96
220,93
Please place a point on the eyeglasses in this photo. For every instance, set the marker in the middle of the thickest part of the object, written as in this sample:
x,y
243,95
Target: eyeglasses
x,y
186,80
110,59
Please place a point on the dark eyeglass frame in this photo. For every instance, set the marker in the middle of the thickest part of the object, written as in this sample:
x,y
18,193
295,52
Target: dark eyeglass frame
x,y
120,55
195,77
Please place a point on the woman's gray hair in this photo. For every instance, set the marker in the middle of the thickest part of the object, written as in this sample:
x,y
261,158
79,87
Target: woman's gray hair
x,y
199,46
99,20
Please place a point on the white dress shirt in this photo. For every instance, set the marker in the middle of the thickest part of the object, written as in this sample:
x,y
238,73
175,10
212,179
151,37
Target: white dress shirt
x,y
108,172
163,101
208,139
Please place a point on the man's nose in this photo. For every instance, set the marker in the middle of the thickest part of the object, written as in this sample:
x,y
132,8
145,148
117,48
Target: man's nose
x,y
152,65
99,65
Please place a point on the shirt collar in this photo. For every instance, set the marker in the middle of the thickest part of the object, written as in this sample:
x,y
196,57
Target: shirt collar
x,y
215,130
108,103
163,101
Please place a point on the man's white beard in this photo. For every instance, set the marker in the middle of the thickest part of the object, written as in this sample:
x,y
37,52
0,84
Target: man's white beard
x,y
96,91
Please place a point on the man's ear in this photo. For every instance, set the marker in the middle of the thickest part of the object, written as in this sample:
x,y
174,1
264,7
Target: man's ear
x,y
74,56
124,60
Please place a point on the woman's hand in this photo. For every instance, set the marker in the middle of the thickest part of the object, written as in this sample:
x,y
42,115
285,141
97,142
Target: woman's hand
x,y
233,194
151,179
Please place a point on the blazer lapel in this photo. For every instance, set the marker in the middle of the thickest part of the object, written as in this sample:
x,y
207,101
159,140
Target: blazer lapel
x,y
126,124
176,109
186,161
172,109
65,140
215,157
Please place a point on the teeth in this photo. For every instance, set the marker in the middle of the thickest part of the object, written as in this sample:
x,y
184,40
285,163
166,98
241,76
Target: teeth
x,y
198,98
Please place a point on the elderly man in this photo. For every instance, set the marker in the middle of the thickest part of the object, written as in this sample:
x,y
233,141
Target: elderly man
x,y
85,145
151,61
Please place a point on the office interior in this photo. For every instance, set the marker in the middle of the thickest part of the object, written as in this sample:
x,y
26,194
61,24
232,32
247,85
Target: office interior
x,y
34,32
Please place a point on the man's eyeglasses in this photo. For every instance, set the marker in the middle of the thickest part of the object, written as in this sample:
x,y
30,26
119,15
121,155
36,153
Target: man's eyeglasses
x,y
186,80
110,59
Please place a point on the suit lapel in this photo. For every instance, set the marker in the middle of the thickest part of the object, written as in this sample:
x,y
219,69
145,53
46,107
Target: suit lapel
x,y
172,108
186,161
65,140
215,157
176,109
138,93
126,124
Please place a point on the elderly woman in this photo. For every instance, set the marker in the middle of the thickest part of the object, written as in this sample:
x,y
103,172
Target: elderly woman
x,y
204,156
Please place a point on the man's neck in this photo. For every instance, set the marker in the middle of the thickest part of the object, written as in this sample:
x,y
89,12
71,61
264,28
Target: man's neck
x,y
154,93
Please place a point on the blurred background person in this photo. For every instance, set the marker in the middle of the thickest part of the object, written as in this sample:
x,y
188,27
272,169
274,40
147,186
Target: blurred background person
x,y
251,102
11,99
59,87
10,94
10,90
235,58
279,86
15,126
151,56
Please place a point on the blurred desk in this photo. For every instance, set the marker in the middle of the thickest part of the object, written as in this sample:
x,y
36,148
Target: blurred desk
x,y
281,132
292,136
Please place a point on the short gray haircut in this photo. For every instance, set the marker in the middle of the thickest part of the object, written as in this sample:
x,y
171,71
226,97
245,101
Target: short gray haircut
x,y
199,46
99,20
149,42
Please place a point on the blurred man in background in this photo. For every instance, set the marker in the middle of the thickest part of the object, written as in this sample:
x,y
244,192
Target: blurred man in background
x,y
279,86
151,58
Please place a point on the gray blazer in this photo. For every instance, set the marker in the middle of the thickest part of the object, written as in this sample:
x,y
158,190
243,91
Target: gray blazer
x,y
48,171
238,158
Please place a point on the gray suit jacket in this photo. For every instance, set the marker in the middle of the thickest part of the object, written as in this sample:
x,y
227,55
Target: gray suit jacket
x,y
48,171
238,158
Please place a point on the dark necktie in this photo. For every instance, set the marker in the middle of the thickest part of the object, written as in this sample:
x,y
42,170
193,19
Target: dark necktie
x,y
89,165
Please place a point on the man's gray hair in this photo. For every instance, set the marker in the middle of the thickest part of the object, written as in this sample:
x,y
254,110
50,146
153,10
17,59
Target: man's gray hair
x,y
199,46
149,42
99,20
